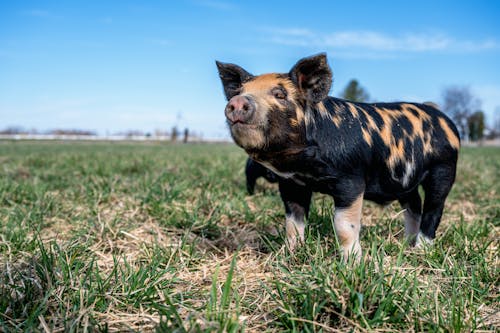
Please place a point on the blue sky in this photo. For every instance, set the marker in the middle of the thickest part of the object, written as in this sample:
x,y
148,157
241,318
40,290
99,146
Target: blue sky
x,y
111,66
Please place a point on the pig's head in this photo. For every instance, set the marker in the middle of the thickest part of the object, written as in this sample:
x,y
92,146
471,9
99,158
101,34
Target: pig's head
x,y
267,112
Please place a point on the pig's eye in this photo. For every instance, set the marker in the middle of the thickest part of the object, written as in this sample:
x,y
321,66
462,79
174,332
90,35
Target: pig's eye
x,y
279,94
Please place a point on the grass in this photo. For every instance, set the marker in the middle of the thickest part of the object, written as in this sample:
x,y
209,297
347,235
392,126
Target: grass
x,y
163,238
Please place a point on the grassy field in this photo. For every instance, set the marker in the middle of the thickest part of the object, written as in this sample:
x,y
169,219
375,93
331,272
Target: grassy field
x,y
158,237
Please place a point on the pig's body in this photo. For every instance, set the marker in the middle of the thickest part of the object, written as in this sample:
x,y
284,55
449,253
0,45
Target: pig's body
x,y
315,143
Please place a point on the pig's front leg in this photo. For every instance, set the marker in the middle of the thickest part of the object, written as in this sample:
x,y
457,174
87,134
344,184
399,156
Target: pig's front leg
x,y
347,222
296,199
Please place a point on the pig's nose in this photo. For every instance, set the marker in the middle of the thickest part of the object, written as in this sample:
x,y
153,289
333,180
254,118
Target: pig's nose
x,y
239,109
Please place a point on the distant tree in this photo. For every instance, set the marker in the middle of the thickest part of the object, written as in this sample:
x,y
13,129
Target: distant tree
x,y
492,130
132,133
496,123
354,92
13,130
161,133
61,131
175,134
186,135
459,103
476,126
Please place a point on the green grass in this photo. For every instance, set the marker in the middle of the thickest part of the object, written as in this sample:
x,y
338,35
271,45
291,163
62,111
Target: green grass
x,y
159,237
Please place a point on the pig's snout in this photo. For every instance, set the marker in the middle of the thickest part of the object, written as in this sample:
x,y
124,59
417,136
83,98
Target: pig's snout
x,y
239,110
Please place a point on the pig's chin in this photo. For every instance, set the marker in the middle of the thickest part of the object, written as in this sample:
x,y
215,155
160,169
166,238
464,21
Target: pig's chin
x,y
248,136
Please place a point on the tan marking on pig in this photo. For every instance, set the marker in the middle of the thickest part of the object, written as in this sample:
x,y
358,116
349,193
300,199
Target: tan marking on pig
x,y
325,113
427,144
386,129
450,135
397,153
421,113
262,83
293,122
367,136
299,114
417,122
396,149
261,88
337,120
372,126
323,110
353,110
347,223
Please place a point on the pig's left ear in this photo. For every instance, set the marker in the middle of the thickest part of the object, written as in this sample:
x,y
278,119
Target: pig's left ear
x,y
313,77
232,77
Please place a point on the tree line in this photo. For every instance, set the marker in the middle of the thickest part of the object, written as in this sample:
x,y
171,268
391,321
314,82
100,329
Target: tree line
x,y
175,135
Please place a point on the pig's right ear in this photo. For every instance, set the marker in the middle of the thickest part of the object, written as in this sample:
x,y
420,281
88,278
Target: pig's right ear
x,y
232,77
313,77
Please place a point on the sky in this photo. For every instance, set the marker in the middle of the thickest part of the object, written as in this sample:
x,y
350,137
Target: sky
x,y
113,66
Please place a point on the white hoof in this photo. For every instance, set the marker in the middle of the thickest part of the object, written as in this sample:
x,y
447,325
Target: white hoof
x,y
423,241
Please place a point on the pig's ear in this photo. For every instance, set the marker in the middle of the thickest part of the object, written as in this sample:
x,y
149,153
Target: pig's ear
x,y
232,77
313,77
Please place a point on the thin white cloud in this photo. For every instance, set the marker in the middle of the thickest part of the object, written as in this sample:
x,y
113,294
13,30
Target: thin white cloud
x,y
40,13
37,12
374,41
161,41
380,42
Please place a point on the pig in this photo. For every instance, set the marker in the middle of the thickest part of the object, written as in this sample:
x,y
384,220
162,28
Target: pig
x,y
255,170
380,152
